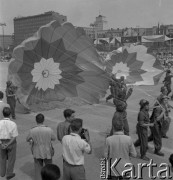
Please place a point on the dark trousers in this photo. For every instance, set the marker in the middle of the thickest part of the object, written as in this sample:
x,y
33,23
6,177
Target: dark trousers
x,y
157,136
72,172
143,139
12,102
7,160
38,164
165,126
168,86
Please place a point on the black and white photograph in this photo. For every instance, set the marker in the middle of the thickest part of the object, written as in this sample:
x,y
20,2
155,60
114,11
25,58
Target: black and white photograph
x,y
86,89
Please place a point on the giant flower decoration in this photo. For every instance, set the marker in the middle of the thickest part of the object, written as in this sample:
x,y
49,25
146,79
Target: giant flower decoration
x,y
136,65
46,74
59,61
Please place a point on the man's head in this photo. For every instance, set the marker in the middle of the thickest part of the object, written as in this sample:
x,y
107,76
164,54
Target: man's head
x,y
69,114
163,90
40,118
9,83
171,161
144,104
117,125
122,78
76,125
6,112
1,95
50,172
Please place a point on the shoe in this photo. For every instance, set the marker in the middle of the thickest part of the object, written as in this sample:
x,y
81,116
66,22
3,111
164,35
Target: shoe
x,y
165,136
145,158
11,176
159,153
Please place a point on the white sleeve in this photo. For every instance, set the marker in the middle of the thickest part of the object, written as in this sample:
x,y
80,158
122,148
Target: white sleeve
x,y
14,131
86,147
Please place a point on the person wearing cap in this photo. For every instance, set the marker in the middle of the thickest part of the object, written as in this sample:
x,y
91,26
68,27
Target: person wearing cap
x,y
167,81
142,128
157,118
63,128
11,97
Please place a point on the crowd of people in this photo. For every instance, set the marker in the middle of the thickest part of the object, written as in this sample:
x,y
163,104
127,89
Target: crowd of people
x,y
75,140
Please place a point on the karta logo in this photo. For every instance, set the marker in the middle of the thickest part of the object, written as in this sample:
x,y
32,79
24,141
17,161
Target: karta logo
x,y
120,167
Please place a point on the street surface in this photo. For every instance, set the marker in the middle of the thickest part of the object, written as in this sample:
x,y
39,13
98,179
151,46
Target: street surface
x,y
97,119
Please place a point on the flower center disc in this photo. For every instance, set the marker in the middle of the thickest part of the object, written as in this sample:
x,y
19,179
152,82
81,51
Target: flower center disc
x,y
45,73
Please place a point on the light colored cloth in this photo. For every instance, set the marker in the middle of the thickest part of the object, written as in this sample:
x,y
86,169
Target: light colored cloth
x,y
120,146
8,129
63,129
74,148
41,137
2,106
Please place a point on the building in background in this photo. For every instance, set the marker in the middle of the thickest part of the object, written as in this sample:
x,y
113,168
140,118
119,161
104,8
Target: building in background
x,y
25,27
8,41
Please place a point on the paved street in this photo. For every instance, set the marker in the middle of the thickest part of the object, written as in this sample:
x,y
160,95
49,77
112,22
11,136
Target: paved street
x,y
97,118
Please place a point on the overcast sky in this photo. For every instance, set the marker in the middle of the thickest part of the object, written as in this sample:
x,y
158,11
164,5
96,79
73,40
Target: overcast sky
x,y
119,13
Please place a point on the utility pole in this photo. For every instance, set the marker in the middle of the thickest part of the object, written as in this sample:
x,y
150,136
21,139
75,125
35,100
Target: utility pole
x,y
2,25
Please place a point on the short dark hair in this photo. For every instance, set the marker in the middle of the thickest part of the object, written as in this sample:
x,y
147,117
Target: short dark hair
x,y
171,159
76,124
68,113
39,118
50,172
117,123
6,112
1,95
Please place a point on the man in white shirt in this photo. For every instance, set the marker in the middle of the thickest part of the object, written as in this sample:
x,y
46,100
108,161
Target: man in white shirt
x,y
8,134
119,146
73,152
2,104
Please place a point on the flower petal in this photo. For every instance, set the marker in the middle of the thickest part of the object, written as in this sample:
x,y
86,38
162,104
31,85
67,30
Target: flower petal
x,y
36,77
45,84
55,79
39,83
38,67
43,63
51,83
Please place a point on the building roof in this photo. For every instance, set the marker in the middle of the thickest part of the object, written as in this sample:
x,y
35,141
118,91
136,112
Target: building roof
x,y
44,14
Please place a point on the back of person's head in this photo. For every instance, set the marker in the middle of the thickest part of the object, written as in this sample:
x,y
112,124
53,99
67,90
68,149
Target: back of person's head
x,y
6,112
1,95
68,113
171,159
50,172
117,125
76,124
40,118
